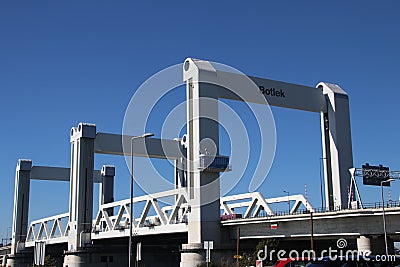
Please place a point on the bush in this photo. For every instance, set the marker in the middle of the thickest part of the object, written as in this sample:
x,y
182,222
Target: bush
x,y
249,259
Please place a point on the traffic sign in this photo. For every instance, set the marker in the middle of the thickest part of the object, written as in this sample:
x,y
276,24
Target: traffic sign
x,y
139,251
208,246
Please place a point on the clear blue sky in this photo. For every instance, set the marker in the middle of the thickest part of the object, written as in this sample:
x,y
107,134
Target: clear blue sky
x,y
70,61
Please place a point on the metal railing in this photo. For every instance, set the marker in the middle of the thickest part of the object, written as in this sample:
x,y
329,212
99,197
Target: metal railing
x,y
366,206
256,205
49,228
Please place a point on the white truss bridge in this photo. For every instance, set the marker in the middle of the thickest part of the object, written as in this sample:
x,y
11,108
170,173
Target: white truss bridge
x,y
156,217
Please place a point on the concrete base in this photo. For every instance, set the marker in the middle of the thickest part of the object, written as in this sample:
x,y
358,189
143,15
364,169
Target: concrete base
x,y
192,255
19,260
79,260
364,244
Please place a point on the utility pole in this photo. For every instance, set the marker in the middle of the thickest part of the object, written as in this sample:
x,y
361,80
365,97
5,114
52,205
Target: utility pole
x,y
237,246
312,233
383,214
131,217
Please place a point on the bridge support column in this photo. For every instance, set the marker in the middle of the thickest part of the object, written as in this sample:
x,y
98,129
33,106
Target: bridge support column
x,y
81,195
364,244
203,186
336,145
80,259
107,186
20,215
378,245
19,260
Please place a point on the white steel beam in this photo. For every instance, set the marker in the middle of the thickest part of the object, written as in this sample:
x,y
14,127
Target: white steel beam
x,y
58,174
114,144
277,93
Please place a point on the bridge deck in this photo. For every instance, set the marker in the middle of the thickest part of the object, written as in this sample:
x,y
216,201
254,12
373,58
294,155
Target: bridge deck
x,y
255,222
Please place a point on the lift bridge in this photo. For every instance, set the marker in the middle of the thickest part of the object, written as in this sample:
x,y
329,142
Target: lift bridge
x,y
198,213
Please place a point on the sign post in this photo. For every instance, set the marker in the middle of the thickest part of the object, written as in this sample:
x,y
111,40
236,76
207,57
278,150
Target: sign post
x,y
138,251
208,246
39,253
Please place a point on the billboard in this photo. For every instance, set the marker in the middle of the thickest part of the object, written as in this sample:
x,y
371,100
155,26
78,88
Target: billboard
x,y
375,175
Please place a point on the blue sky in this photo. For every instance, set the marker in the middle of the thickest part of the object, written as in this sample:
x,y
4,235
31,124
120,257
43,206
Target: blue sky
x,y
66,62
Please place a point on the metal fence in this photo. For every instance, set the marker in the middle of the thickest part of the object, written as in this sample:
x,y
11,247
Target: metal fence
x,y
371,205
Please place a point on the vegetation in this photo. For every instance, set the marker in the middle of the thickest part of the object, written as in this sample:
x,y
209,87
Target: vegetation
x,y
48,262
249,258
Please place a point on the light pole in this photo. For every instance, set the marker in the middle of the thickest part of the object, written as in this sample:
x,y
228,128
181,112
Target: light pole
x,y
9,237
383,214
321,166
131,222
288,200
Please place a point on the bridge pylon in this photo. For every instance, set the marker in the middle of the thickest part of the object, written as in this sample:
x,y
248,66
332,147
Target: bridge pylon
x,y
18,257
203,186
81,195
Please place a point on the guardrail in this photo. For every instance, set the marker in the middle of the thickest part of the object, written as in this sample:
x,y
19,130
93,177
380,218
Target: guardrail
x,y
366,206
256,205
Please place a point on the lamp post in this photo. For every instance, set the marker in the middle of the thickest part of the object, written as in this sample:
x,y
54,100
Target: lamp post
x,y
383,214
131,222
288,200
9,237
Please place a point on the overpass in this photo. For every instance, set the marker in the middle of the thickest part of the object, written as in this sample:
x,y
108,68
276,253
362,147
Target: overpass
x,y
194,214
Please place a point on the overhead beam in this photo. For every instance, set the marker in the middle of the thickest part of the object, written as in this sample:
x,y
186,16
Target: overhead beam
x,y
241,87
49,173
294,96
116,144
58,174
276,93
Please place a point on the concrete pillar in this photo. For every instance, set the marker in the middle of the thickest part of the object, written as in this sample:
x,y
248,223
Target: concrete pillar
x,y
180,174
336,145
81,194
364,244
20,214
107,186
378,245
203,187
21,204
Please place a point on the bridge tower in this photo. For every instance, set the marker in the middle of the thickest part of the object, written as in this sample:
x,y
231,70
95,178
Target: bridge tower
x,y
203,139
20,214
81,195
205,84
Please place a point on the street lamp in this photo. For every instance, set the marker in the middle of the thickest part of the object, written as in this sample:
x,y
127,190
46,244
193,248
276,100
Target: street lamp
x,y
288,200
383,213
131,195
